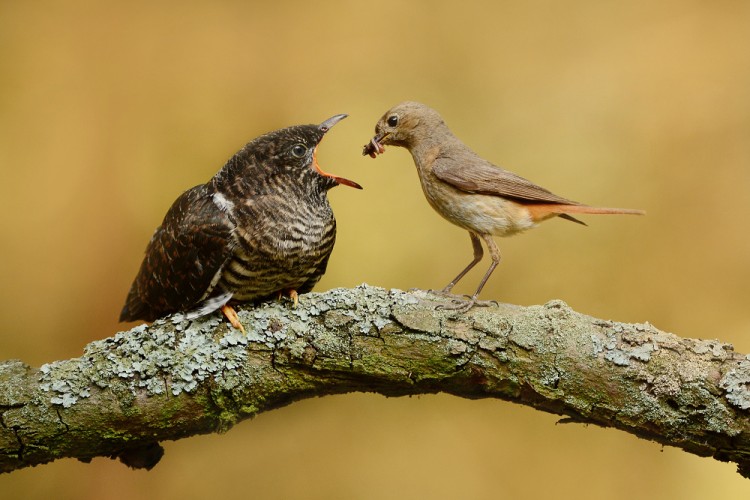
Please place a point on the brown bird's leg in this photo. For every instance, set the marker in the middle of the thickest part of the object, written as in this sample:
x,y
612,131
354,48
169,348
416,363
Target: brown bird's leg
x,y
465,305
495,254
231,315
478,253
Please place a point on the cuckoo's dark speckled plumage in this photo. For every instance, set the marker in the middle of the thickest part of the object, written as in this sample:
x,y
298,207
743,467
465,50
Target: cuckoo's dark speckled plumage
x,y
262,226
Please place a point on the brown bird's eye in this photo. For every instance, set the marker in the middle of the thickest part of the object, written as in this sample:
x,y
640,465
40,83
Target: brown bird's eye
x,y
392,121
299,150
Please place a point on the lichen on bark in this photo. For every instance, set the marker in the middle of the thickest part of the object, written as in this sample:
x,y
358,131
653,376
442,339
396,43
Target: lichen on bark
x,y
177,378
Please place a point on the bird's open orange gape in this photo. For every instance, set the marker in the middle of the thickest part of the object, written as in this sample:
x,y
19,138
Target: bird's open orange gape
x,y
467,190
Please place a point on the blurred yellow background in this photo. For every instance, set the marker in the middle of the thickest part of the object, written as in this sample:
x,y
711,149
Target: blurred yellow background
x,y
109,110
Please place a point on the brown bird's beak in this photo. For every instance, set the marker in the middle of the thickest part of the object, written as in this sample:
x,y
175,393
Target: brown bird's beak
x,y
375,146
325,127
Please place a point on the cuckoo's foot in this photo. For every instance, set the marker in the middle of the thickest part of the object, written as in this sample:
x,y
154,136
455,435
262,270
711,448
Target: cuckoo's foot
x,y
291,293
231,315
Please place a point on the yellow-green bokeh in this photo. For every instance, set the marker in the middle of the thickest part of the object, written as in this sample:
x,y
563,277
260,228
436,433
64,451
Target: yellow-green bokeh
x,y
109,110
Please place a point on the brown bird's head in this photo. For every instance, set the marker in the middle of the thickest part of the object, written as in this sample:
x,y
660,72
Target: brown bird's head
x,y
290,151
405,125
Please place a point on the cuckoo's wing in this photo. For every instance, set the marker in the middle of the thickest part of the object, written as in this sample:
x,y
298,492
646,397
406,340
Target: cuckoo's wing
x,y
183,259
475,175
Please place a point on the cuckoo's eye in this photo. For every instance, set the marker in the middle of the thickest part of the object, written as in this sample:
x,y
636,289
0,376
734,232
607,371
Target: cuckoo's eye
x,y
299,150
392,121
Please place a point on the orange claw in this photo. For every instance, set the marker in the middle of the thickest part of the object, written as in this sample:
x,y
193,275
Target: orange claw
x,y
231,315
291,293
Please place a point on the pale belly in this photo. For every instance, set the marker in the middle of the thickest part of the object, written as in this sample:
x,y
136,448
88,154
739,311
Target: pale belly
x,y
479,213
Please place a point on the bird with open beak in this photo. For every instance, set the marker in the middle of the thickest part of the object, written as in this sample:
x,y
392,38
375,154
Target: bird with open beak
x,y
468,190
260,228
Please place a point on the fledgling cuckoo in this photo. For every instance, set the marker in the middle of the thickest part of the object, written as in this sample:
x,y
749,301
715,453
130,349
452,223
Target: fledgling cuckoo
x,y
261,227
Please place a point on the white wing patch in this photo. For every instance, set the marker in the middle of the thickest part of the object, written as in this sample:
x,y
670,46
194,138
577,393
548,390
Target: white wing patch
x,y
210,305
222,203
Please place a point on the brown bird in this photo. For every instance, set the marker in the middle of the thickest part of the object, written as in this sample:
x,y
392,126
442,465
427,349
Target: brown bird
x,y
261,227
467,190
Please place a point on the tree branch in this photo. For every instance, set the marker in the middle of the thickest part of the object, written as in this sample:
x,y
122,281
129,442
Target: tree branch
x,y
178,378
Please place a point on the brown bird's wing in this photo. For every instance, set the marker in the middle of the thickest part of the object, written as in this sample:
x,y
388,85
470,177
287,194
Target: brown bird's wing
x,y
475,175
182,259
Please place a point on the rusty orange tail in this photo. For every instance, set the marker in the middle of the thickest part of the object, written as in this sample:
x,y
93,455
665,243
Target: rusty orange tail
x,y
544,211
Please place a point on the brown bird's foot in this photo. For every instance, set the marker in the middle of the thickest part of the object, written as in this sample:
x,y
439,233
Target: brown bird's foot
x,y
291,293
232,317
445,292
465,304
439,293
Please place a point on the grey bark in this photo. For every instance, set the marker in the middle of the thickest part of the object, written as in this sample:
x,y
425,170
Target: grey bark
x,y
178,378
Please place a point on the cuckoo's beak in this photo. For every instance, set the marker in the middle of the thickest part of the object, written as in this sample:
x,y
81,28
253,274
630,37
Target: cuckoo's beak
x,y
326,125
